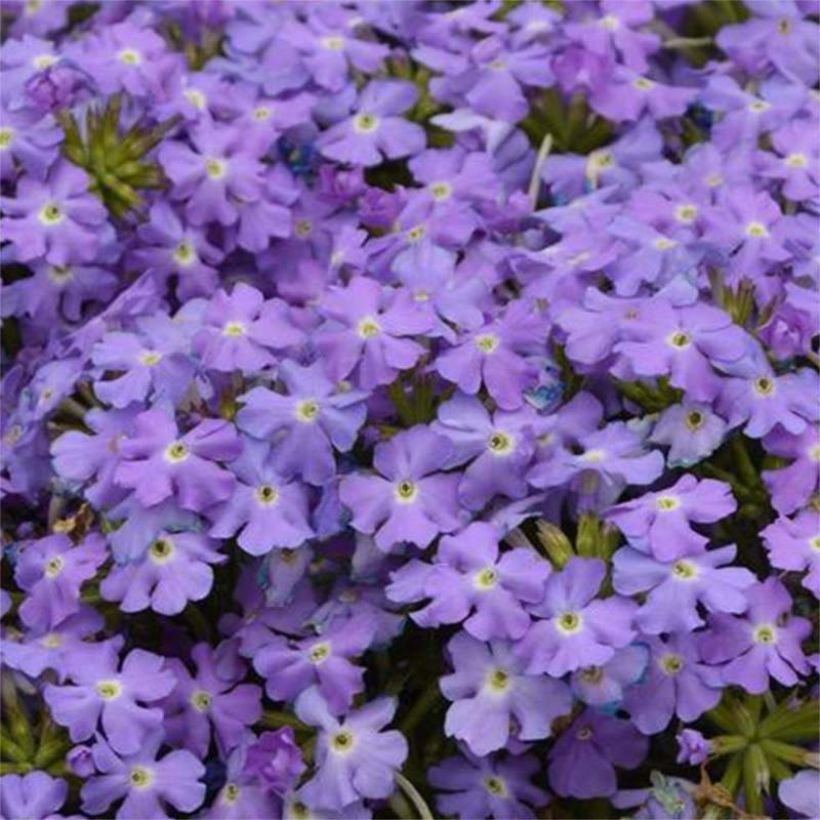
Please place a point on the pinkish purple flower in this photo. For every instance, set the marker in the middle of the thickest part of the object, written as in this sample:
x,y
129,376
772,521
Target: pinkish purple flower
x,y
276,761
794,544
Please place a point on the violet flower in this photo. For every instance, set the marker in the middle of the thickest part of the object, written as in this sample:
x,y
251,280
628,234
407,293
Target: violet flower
x,y
577,630
409,499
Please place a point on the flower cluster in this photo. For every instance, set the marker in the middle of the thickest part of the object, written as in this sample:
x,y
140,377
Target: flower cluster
x,y
410,405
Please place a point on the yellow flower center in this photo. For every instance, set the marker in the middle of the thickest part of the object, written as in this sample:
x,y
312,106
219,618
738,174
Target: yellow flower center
x,y
686,213
234,329
334,43
262,113
643,84
319,652
184,254
42,61
756,230
197,99
342,742
694,420
487,342
495,786
668,502
109,689
51,214
162,550
764,386
150,357
54,566
671,663
130,56
663,243
307,410
406,492
592,674
51,641
366,123
201,700
6,138
176,452
765,634
141,778
441,190
501,443
499,680
417,233
486,578
680,340
368,328
216,168
569,623
303,228
230,794
797,160
267,495
685,570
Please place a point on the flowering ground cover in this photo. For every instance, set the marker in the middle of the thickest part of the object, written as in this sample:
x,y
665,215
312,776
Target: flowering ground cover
x,y
410,409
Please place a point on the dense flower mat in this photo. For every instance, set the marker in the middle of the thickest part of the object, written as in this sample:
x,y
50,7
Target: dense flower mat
x,y
410,409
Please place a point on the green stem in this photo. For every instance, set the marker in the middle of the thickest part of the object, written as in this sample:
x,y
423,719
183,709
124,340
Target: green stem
x,y
416,799
420,708
688,42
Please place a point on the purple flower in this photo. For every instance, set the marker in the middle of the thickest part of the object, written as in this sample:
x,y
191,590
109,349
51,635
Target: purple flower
x,y
677,683
791,487
364,331
146,783
43,648
152,361
375,130
800,793
167,246
58,219
276,760
610,459
676,587
239,331
290,667
499,448
214,175
763,643
491,693
794,544
682,343
604,686
354,758
479,787
627,94
306,424
212,700
158,462
577,630
691,431
470,582
409,499
267,510
583,759
693,747
495,356
763,401
99,692
173,571
29,140
51,571
659,523
35,795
